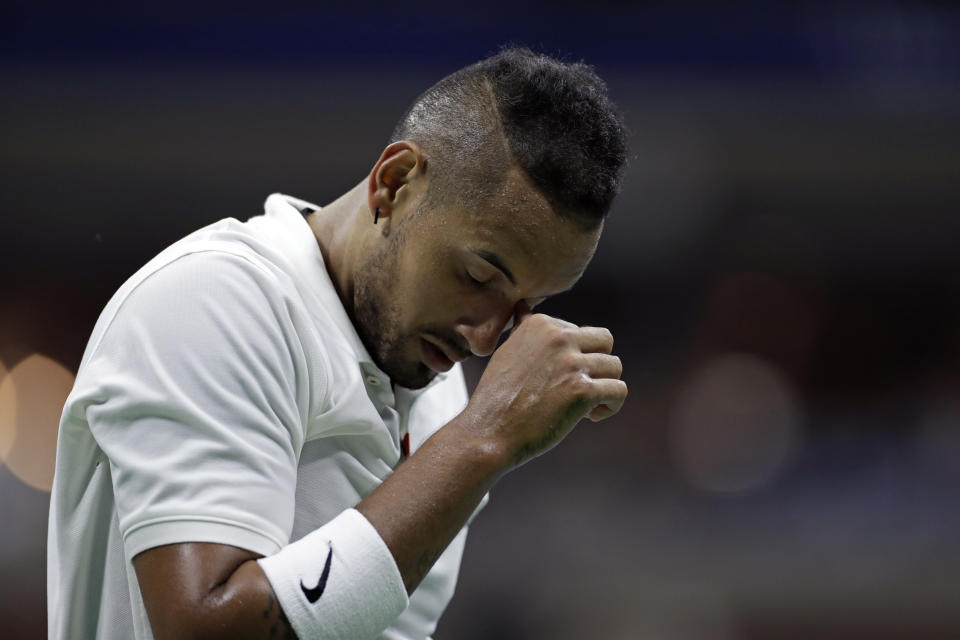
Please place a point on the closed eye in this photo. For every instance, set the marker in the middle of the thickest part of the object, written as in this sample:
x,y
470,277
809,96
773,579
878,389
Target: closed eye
x,y
476,281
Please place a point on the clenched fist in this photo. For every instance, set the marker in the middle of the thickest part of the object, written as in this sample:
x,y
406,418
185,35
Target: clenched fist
x,y
541,381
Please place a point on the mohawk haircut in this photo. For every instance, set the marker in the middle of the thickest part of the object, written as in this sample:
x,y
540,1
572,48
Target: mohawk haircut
x,y
553,120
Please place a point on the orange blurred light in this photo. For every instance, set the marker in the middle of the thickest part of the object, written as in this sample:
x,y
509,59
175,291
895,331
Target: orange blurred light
x,y
38,388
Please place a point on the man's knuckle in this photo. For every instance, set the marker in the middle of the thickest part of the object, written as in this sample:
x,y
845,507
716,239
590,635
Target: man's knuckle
x,y
618,366
540,319
558,337
582,387
571,361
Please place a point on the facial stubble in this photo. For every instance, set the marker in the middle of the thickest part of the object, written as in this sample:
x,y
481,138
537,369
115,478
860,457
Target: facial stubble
x,y
378,317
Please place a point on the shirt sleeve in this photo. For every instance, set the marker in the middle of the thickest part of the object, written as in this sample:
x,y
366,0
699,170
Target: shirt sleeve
x,y
202,394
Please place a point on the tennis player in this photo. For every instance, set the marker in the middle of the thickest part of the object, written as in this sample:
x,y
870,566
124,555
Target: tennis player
x,y
270,436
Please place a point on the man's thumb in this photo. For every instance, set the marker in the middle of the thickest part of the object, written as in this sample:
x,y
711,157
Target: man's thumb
x,y
521,312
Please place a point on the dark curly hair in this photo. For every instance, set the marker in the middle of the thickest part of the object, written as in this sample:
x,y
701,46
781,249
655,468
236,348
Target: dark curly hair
x,y
553,120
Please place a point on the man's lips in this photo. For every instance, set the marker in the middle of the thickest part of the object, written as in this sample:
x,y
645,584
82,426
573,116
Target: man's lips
x,y
438,356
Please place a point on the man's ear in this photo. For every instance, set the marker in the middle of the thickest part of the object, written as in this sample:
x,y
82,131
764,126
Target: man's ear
x,y
399,165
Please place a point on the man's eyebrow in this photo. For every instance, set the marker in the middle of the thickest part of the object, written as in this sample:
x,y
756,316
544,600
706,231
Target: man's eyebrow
x,y
496,261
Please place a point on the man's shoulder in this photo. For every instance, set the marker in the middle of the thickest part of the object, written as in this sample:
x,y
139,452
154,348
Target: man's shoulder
x,y
203,273
212,270
224,250
218,244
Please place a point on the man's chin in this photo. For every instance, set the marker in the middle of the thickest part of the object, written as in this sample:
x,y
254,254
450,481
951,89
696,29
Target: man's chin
x,y
415,377
425,376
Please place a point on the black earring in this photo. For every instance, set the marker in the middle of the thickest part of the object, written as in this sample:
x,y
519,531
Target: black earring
x,y
376,215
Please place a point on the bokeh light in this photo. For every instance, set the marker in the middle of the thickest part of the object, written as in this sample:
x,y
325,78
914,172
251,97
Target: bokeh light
x,y
37,387
734,424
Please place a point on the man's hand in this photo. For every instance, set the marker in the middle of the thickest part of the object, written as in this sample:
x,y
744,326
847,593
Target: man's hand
x,y
541,381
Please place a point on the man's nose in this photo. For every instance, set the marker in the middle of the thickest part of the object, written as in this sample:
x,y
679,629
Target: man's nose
x,y
482,336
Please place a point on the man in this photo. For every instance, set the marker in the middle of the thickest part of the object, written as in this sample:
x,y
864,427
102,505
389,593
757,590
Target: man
x,y
269,434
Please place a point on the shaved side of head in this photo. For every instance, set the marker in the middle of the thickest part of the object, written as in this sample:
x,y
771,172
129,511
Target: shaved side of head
x,y
552,120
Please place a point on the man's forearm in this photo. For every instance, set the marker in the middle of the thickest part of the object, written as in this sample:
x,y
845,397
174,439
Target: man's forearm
x,y
422,506
417,511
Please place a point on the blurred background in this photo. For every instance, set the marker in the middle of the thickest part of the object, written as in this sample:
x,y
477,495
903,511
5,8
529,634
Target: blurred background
x,y
781,274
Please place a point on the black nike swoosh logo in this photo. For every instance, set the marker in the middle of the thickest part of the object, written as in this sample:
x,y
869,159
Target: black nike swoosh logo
x,y
314,594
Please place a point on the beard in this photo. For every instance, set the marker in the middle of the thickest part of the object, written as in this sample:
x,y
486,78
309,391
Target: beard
x,y
377,317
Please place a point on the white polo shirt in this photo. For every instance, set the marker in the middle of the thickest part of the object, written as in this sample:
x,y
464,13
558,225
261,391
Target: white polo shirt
x,y
225,397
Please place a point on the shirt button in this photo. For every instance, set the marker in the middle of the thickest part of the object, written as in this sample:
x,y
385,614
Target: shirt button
x,y
374,380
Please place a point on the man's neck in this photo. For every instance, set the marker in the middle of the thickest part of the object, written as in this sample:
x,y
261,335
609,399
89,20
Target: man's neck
x,y
338,232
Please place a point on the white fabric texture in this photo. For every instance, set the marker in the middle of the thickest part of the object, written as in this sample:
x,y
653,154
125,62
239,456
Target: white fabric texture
x,y
225,397
349,569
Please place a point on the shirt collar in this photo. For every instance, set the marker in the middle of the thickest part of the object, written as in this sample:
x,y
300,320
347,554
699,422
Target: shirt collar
x,y
304,252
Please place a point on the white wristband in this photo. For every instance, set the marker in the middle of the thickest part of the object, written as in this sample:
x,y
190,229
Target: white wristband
x,y
339,581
